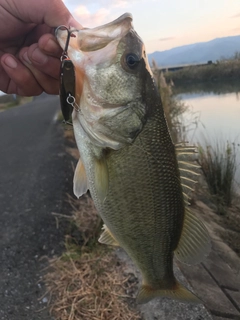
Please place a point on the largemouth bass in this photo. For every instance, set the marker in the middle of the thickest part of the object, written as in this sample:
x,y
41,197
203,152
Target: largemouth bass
x,y
128,160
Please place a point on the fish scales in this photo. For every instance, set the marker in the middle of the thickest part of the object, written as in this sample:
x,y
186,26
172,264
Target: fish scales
x,y
148,204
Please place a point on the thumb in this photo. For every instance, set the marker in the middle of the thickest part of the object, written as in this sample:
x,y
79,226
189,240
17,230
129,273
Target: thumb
x,y
50,12
56,14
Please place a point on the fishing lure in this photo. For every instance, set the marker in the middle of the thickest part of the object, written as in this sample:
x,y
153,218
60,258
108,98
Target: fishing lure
x,y
67,79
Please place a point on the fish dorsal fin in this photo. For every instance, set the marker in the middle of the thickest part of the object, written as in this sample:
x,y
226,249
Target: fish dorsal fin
x,y
107,237
187,156
80,185
101,177
194,244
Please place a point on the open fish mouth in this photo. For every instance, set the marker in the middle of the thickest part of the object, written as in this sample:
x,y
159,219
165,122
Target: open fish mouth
x,y
97,38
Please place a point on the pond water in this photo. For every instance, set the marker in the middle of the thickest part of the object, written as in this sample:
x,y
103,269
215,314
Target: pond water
x,y
219,116
214,114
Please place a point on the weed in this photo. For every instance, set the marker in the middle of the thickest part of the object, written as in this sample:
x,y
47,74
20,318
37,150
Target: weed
x,y
222,69
219,166
174,109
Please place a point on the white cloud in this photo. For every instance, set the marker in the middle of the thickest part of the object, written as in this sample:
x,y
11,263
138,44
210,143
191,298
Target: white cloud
x,y
120,3
83,15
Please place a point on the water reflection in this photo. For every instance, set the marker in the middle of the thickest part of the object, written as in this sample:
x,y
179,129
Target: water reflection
x,y
219,115
208,87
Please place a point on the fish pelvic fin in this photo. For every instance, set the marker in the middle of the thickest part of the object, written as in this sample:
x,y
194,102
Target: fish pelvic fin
x,y
80,185
179,292
194,244
107,237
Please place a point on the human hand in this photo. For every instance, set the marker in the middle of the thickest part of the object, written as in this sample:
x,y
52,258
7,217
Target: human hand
x,y
29,52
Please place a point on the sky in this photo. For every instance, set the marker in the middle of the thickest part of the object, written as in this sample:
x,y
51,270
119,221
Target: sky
x,y
165,24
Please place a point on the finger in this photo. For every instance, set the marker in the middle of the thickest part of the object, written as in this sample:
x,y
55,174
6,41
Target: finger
x,y
52,13
48,79
19,79
56,14
49,44
45,63
4,79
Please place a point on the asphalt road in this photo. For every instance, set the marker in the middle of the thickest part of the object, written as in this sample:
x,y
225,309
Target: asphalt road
x,y
35,174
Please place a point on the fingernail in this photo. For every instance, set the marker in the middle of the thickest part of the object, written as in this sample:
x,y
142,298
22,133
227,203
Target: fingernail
x,y
39,57
25,58
51,46
10,62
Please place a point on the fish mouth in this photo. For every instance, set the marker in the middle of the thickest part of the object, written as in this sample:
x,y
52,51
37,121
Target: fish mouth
x,y
93,39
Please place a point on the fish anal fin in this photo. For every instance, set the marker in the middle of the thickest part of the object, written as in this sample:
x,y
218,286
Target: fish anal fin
x,y
80,185
101,177
107,237
179,292
194,244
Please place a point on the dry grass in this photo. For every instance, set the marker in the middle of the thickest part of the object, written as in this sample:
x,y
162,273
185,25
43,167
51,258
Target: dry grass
x,y
86,219
93,287
88,282
180,119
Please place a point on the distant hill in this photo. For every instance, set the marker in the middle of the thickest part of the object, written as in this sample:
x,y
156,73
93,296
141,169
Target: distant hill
x,y
200,52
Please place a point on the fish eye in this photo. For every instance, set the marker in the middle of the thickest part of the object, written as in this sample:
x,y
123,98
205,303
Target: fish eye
x,y
132,60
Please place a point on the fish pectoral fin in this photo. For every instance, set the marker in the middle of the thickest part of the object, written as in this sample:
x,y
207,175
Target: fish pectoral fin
x,y
101,177
179,292
194,244
107,237
80,185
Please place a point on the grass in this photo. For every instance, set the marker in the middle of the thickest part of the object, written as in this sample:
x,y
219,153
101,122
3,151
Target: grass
x,y
89,282
10,103
174,109
218,163
92,287
221,70
180,118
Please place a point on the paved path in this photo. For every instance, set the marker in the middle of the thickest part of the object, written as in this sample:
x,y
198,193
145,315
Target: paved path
x,y
34,176
217,280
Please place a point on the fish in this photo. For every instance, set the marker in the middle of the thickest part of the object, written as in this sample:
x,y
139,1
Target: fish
x,y
138,179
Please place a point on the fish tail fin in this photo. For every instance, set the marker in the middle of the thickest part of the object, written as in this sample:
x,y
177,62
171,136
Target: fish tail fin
x,y
179,292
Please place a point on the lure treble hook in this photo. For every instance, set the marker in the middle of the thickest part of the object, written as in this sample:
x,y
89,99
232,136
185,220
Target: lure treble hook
x,y
62,27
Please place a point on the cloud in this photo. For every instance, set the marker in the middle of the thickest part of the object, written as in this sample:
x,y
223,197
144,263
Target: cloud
x,y
87,19
101,3
120,3
236,16
235,30
166,39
